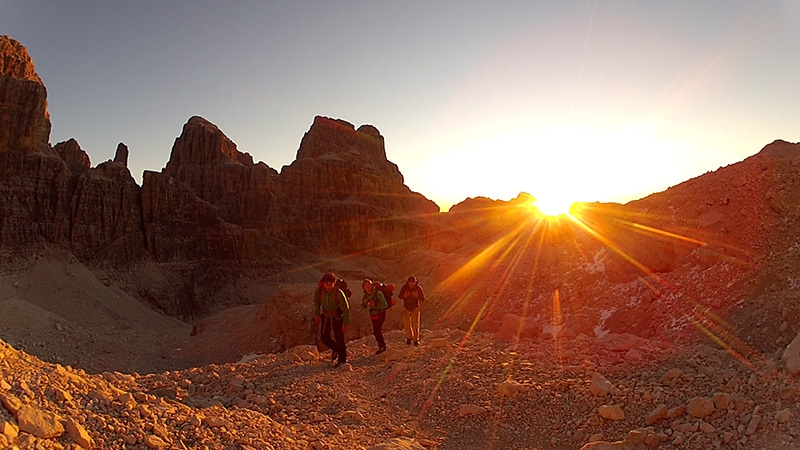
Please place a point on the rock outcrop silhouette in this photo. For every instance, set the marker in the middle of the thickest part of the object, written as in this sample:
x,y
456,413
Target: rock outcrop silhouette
x,y
211,215
341,195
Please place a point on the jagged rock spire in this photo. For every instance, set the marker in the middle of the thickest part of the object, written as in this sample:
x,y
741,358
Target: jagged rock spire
x,y
24,121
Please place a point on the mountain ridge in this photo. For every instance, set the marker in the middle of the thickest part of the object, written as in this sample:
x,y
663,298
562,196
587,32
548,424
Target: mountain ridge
x,y
667,322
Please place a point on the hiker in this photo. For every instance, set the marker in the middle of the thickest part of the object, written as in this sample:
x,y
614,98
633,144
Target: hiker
x,y
376,302
334,315
412,295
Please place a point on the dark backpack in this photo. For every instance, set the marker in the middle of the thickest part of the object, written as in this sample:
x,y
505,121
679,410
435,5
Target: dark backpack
x,y
388,290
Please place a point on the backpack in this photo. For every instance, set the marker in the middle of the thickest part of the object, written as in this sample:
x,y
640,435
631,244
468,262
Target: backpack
x,y
388,290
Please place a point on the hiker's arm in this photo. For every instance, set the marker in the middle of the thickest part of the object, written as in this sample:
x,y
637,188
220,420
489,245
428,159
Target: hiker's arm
x,y
317,302
421,293
365,300
380,301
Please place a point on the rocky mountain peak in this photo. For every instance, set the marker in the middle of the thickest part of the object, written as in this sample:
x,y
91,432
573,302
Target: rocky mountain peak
x,y
121,155
336,138
203,143
780,149
77,160
24,121
16,63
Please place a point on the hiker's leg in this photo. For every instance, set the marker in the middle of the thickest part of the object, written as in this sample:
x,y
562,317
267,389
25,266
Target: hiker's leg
x,y
325,333
340,345
377,328
407,324
414,317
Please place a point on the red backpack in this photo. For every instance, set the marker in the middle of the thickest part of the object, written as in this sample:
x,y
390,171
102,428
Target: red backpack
x,y
388,290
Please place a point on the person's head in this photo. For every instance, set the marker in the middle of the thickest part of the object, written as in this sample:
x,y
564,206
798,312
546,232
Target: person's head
x,y
366,285
328,280
412,280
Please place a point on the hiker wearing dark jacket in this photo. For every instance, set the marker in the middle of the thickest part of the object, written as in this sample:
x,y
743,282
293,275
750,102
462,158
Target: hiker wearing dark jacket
x,y
412,295
376,302
333,313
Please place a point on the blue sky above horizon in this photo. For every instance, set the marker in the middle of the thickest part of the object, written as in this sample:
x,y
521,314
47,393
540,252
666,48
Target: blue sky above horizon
x,y
580,100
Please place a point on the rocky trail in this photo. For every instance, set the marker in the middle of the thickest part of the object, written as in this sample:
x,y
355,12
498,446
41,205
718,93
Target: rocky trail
x,y
458,390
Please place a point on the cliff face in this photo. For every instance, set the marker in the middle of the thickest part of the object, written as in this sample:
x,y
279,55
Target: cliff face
x,y
106,214
207,162
24,121
342,195
211,215
33,178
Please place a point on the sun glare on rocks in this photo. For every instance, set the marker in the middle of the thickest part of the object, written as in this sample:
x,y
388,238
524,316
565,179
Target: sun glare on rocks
x,y
552,207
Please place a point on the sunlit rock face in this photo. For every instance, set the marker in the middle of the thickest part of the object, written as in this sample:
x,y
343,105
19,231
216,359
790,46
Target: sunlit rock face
x,y
24,121
33,178
342,195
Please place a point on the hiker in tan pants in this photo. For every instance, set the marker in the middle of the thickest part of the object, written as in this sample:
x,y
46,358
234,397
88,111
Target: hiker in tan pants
x,y
412,295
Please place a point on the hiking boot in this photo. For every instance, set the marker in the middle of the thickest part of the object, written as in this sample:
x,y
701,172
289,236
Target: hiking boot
x,y
416,343
408,341
380,350
334,355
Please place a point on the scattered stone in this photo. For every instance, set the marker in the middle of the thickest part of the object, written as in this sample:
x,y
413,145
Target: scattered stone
x,y
611,412
465,410
155,442
657,414
78,433
510,388
41,424
700,407
791,356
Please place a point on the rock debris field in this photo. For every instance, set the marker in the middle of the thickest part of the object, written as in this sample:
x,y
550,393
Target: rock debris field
x,y
457,390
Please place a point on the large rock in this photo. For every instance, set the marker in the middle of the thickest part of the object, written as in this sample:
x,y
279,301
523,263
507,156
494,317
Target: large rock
x,y
77,160
24,121
107,214
181,226
35,199
342,195
33,178
206,161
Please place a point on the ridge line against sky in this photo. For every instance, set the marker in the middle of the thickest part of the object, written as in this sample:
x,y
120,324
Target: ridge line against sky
x,y
580,100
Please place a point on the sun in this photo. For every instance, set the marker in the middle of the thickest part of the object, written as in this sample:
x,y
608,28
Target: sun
x,y
552,206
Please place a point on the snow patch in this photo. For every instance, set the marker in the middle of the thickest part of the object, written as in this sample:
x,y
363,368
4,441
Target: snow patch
x,y
249,357
604,315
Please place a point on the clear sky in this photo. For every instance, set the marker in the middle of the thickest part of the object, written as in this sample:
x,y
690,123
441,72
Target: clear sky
x,y
574,100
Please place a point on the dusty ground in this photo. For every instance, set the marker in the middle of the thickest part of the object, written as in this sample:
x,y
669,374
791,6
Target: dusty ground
x,y
130,382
